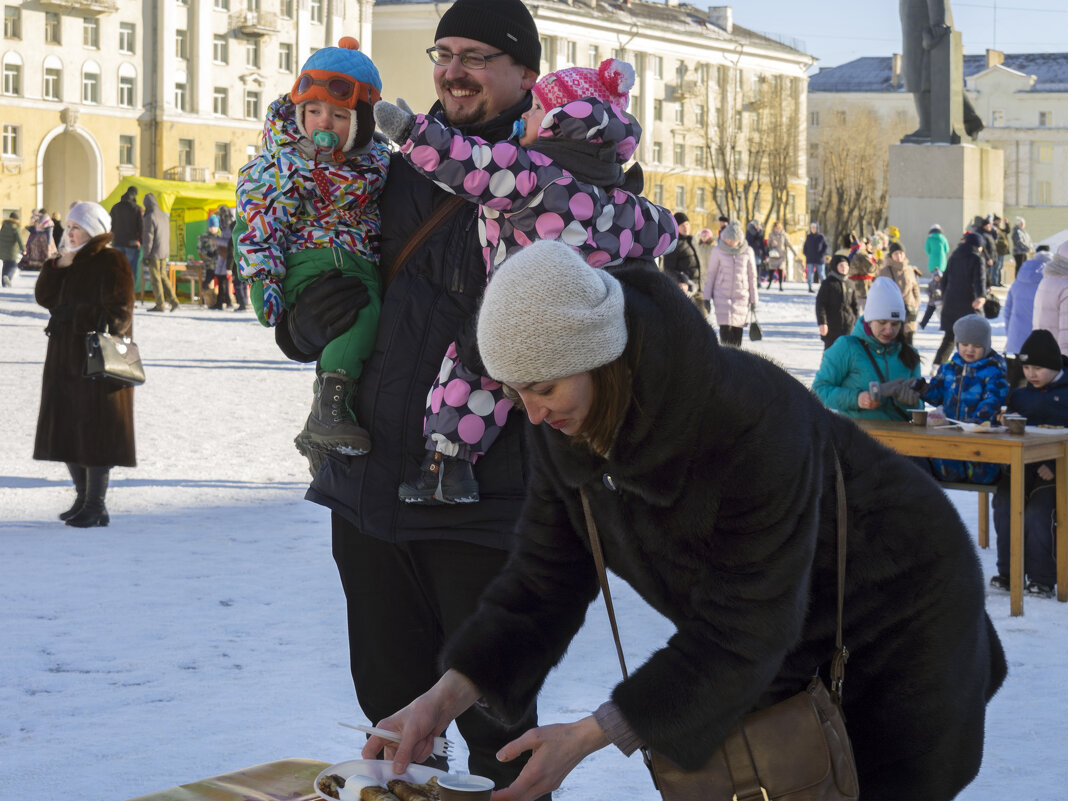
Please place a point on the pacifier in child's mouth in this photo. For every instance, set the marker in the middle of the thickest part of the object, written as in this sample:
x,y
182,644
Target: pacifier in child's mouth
x,y
519,127
325,140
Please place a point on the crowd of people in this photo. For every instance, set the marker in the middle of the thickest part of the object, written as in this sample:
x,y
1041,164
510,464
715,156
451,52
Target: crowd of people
x,y
441,291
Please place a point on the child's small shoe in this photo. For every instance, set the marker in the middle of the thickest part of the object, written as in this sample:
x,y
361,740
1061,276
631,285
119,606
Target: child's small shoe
x,y
332,426
1000,582
1039,590
442,479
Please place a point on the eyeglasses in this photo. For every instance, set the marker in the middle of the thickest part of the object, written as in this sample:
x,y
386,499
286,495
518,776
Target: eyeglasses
x,y
471,61
338,88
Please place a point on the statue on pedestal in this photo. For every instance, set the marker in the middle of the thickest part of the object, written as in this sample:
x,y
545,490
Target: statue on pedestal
x,y
932,65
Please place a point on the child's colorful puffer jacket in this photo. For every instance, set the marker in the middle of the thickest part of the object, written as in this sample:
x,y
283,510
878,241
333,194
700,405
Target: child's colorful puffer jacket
x,y
291,200
524,195
972,392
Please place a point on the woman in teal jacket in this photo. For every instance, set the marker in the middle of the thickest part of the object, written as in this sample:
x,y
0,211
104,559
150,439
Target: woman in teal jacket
x,y
937,248
874,352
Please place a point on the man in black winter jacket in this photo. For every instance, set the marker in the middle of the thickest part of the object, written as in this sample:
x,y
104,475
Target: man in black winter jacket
x,y
683,264
412,573
126,227
837,308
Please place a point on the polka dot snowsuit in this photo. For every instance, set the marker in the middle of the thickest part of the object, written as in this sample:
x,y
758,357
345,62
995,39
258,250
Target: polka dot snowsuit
x,y
524,195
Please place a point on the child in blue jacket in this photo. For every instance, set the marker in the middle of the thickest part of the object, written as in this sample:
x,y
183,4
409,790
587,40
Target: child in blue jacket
x,y
971,387
1043,400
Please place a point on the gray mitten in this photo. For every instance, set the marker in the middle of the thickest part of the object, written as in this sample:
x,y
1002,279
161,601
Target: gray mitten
x,y
395,121
908,396
889,389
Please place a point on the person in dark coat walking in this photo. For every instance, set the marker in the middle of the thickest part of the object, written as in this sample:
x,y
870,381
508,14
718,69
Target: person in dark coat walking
x,y
11,247
681,453
85,423
815,249
963,288
837,307
683,265
126,228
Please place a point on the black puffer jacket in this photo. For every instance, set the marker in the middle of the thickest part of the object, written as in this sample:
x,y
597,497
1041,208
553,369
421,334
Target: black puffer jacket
x,y
702,525
964,280
682,264
427,307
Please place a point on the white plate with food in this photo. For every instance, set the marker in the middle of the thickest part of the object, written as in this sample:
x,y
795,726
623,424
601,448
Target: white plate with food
x,y
1046,429
359,773
978,428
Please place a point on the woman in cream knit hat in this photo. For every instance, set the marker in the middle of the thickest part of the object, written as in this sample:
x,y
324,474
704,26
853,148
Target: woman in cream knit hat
x,y
680,453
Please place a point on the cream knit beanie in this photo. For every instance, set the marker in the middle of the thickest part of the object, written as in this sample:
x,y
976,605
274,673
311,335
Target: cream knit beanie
x,y
547,314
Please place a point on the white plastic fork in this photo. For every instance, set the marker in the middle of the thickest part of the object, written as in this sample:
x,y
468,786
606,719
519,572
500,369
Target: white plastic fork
x,y
442,747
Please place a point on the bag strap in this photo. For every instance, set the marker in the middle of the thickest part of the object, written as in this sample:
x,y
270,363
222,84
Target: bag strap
x,y
440,213
891,402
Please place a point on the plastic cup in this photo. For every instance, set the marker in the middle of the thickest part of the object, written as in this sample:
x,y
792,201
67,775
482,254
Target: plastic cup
x,y
919,417
1017,423
455,787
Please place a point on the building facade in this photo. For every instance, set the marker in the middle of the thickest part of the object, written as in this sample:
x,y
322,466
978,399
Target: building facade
x,y
94,90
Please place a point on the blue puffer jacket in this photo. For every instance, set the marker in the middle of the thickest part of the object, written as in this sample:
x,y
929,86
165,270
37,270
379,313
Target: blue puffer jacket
x,y
1020,302
846,371
973,393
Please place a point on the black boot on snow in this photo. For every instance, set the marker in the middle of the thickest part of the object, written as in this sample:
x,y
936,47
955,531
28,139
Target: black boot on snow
x,y
442,479
77,473
332,426
93,512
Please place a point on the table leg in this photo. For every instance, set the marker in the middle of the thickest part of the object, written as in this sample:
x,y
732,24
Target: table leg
x,y
1062,525
1016,534
984,519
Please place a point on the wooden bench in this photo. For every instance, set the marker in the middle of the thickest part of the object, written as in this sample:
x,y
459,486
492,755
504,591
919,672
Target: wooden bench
x,y
984,491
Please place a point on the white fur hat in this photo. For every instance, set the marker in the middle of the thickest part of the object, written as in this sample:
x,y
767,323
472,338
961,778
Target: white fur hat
x,y
884,301
90,217
547,314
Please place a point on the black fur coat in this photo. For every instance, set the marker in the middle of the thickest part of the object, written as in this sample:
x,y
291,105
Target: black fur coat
x,y
723,519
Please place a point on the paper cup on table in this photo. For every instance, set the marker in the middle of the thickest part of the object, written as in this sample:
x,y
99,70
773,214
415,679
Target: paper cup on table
x,y
919,417
1017,423
453,787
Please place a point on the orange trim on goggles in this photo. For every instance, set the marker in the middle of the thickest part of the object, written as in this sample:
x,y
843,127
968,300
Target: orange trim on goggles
x,y
339,90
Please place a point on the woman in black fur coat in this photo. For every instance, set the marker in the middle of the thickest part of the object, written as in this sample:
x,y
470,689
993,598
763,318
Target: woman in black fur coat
x,y
682,452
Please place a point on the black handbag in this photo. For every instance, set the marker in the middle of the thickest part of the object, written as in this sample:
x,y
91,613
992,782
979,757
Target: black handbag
x,y
796,750
755,334
108,357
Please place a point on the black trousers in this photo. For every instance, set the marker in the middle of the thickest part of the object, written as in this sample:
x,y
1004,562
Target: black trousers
x,y
404,600
945,350
730,335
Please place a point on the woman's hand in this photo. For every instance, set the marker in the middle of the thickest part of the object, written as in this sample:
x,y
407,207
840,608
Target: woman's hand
x,y
65,258
823,330
555,751
865,401
422,720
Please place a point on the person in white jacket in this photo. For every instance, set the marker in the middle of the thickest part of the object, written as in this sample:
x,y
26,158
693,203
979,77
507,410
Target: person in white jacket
x,y
731,283
1051,298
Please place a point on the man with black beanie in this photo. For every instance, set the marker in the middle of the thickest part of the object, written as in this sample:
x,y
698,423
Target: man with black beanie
x,y
412,573
126,227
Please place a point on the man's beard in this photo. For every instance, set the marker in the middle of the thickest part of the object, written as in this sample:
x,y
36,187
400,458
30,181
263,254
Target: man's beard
x,y
470,114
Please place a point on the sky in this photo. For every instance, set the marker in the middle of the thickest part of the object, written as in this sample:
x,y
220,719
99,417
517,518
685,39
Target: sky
x,y
203,631
838,31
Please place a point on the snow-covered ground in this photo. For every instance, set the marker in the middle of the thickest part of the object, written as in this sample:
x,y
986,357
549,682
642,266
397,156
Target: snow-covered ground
x,y
203,630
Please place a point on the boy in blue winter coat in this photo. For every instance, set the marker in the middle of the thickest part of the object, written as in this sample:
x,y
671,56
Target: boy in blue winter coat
x,y
971,387
1043,400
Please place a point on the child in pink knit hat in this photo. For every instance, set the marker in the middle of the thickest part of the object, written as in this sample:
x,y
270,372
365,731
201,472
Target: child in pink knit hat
x,y
560,176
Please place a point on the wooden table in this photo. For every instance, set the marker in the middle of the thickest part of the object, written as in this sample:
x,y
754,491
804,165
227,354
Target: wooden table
x,y
1001,448
284,780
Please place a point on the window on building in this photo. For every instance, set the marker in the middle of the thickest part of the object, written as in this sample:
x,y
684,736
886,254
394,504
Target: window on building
x,y
221,5
220,49
813,151
680,155
53,28
1044,153
126,91
251,151
12,78
9,137
185,152
699,198
997,118
252,105
90,86
680,116
181,2
791,206
285,9
252,5
840,118
813,183
220,102
315,10
658,194
181,43
593,56
680,71
53,83
680,196
700,159
126,150
1043,193
1045,119
285,57
252,53
12,22
181,97
222,157
813,119
91,33
658,66
699,115
658,152
658,110
620,54
572,53
127,33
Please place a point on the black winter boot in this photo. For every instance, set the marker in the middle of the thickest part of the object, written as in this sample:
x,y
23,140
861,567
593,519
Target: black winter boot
x,y
314,454
443,479
77,473
332,425
93,513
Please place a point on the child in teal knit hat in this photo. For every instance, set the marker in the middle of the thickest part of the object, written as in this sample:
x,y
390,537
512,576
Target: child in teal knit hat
x,y
307,205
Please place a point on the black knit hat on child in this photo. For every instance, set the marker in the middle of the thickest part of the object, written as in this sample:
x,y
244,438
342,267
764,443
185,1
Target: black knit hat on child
x,y
504,24
1040,349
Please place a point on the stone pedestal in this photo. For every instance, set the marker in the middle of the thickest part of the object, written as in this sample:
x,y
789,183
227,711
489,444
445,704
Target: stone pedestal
x,y
944,184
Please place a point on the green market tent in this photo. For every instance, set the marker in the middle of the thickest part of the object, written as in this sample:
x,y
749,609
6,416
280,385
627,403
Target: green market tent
x,y
188,203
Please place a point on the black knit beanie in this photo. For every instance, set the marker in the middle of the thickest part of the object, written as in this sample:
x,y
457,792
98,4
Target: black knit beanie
x,y
503,24
1040,350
